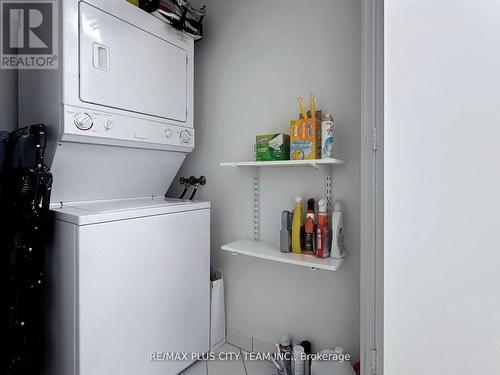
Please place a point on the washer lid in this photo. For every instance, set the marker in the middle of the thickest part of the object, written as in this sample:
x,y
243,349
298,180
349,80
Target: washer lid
x,y
121,209
85,172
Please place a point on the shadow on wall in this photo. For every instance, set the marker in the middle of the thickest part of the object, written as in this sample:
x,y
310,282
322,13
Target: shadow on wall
x,y
8,100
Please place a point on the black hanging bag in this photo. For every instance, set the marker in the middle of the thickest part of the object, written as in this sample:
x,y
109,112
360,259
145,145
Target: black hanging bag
x,y
25,186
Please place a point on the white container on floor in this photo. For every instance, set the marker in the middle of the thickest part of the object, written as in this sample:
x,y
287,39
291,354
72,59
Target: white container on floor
x,y
332,367
298,361
217,311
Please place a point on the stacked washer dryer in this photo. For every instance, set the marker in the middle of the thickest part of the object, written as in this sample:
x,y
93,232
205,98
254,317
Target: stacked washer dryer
x,y
128,269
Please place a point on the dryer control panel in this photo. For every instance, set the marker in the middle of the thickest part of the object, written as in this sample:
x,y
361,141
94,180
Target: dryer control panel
x,y
103,126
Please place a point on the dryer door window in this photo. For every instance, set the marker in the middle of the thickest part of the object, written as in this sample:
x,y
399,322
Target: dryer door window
x,y
125,67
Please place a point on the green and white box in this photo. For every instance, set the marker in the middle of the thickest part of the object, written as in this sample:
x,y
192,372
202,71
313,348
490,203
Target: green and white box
x,y
272,147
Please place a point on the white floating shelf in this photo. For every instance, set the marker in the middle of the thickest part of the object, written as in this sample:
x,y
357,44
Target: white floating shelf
x,y
266,251
315,163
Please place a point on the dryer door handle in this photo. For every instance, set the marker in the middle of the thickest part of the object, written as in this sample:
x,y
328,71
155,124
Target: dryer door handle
x,y
101,57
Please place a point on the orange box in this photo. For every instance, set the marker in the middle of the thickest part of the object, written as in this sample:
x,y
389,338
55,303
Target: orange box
x,y
304,139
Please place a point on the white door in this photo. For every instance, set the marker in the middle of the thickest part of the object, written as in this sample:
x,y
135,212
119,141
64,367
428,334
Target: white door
x,y
127,68
442,185
143,287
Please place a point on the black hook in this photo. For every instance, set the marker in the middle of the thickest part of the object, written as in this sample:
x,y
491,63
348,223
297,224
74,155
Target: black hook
x,y
191,181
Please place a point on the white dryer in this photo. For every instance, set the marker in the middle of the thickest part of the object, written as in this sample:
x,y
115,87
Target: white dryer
x,y
120,105
129,278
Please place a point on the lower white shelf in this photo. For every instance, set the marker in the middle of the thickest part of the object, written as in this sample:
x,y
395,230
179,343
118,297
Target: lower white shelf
x,y
264,250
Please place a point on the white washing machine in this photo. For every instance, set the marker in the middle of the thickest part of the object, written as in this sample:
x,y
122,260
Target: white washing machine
x,y
129,277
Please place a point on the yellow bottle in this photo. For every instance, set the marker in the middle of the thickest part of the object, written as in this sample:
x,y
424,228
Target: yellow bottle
x,y
297,224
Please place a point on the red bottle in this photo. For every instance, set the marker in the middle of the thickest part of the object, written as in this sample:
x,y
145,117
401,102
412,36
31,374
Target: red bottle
x,y
322,231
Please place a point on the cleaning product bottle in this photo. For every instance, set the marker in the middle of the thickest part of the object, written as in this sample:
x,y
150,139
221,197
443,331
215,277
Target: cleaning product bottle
x,y
285,347
341,367
297,226
310,228
285,233
338,250
332,362
307,350
327,137
298,360
322,231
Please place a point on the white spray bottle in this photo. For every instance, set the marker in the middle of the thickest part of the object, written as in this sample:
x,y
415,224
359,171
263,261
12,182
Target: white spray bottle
x,y
338,250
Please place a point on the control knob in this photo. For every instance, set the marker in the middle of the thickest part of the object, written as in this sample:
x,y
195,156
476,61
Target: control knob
x,y
185,136
83,121
108,124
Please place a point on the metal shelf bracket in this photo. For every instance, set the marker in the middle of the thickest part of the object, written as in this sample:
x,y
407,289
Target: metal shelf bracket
x,y
256,205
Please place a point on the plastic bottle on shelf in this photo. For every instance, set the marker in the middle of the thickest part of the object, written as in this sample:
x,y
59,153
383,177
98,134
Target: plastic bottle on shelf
x,y
297,226
322,231
310,229
338,250
285,233
327,137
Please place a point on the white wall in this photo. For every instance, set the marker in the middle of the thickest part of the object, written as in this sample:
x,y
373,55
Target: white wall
x,y
442,252
256,58
8,100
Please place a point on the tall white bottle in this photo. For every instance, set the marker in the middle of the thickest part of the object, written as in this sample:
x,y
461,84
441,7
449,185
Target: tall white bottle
x,y
338,249
298,360
327,137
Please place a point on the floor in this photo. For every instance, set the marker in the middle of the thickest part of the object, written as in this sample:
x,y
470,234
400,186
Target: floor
x,y
232,367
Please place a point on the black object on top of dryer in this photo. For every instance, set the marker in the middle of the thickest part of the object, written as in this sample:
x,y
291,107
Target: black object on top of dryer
x,y
191,182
